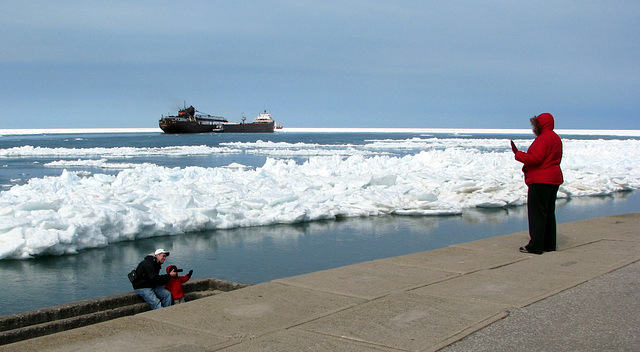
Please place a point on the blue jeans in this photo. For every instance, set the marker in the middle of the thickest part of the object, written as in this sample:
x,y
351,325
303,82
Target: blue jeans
x,y
156,297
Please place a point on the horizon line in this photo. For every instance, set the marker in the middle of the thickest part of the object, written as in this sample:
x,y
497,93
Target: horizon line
x,y
608,132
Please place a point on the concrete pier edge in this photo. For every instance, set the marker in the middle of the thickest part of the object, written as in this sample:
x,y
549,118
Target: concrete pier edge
x,y
30,324
417,302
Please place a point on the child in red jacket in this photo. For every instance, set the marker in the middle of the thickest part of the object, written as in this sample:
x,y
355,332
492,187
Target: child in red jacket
x,y
175,284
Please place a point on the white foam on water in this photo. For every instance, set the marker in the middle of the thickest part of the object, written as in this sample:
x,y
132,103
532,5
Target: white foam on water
x,y
122,152
76,210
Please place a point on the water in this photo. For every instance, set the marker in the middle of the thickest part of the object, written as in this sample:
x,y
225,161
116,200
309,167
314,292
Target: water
x,y
364,230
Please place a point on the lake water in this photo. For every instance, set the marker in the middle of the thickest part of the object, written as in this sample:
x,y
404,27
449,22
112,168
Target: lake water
x,y
80,210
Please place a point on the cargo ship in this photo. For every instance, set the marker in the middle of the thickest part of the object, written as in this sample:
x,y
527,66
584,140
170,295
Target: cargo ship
x,y
263,123
189,120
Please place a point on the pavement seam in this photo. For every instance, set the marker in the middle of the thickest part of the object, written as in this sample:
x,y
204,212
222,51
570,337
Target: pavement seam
x,y
382,295
348,339
462,272
468,331
179,327
626,233
534,299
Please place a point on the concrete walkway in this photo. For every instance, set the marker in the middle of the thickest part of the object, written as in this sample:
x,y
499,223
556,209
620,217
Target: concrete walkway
x,y
473,296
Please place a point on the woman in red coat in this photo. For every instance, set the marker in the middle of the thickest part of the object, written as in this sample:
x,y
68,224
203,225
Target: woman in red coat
x,y
543,177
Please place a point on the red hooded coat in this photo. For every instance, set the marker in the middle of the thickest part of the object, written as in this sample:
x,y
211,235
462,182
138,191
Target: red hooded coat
x,y
175,284
542,159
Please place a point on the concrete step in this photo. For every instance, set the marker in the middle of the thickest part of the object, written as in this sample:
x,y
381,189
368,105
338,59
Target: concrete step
x,y
40,322
58,325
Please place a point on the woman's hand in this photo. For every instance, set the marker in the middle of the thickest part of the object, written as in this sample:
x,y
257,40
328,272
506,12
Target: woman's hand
x,y
514,148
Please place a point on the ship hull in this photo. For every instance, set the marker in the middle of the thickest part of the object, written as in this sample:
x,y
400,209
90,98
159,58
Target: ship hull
x,y
248,127
187,127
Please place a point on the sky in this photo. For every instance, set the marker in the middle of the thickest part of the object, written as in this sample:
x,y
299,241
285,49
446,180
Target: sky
x,y
338,64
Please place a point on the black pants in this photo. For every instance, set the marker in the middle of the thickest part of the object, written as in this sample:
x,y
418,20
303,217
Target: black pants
x,y
541,206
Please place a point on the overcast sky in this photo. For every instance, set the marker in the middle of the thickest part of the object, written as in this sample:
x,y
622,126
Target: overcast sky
x,y
444,64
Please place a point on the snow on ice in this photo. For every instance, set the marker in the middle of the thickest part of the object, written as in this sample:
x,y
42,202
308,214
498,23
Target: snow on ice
x,y
73,211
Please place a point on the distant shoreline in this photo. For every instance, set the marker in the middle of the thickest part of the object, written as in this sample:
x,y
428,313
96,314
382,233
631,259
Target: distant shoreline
x,y
621,133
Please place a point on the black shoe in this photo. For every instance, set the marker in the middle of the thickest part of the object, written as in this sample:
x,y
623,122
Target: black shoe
x,y
526,250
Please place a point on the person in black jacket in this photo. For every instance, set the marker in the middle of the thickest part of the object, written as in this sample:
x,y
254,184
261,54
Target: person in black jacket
x,y
149,284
